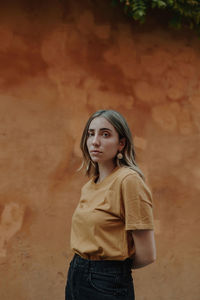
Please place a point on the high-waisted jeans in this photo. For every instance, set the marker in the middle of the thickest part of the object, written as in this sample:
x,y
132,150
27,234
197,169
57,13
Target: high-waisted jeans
x,y
99,280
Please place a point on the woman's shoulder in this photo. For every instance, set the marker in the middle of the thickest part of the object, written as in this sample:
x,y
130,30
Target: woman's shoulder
x,y
127,172
88,182
133,182
131,178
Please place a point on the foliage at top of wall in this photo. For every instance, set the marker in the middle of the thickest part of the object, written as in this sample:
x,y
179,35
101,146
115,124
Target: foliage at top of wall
x,y
184,13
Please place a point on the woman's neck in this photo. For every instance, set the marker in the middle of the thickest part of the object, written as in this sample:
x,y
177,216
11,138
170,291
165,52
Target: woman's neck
x,y
105,170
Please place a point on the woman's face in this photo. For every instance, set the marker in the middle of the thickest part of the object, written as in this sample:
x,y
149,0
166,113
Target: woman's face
x,y
103,141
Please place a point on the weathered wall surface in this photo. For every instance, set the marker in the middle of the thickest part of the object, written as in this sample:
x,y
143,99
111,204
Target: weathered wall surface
x,y
58,64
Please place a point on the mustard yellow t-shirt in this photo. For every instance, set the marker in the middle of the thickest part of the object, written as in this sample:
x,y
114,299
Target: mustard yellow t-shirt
x,y
106,213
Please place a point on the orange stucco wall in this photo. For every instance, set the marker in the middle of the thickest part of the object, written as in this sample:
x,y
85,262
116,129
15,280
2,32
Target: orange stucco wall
x,y
58,64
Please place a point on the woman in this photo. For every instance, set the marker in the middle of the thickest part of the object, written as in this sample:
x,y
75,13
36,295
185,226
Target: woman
x,y
112,227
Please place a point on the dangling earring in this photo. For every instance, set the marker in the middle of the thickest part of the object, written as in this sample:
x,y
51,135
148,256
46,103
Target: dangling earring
x,y
119,155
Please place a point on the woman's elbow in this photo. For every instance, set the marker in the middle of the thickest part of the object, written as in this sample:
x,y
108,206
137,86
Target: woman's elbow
x,y
152,256
152,259
149,259
143,260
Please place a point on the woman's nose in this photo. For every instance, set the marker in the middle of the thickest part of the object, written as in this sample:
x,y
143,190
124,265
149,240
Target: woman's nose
x,y
95,140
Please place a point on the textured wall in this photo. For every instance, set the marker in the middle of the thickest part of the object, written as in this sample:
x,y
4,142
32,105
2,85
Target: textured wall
x,y
58,64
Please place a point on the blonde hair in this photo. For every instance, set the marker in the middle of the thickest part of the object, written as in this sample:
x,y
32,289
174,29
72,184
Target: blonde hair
x,y
121,126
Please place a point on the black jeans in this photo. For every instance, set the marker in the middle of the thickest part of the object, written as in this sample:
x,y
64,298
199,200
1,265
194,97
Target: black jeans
x,y
99,280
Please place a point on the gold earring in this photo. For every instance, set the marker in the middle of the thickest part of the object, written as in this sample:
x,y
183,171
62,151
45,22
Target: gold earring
x,y
119,155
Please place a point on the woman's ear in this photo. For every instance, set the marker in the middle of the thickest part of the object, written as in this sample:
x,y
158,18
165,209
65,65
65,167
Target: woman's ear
x,y
122,144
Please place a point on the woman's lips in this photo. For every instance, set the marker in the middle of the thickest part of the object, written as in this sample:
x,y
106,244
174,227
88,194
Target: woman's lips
x,y
95,152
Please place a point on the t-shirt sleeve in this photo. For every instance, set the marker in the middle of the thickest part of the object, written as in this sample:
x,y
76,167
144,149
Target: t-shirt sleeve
x,y
137,203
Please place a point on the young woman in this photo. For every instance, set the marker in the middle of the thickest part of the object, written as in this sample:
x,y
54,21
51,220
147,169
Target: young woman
x,y
112,226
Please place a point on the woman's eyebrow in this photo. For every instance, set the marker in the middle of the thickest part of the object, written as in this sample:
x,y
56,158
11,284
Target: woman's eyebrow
x,y
101,129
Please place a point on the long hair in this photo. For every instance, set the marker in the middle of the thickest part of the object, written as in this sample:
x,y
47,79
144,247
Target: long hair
x,y
122,128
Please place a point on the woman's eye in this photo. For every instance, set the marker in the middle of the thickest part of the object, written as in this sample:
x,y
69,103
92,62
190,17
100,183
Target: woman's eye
x,y
105,134
90,134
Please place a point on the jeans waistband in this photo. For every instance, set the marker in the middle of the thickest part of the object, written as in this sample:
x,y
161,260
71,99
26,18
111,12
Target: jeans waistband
x,y
111,266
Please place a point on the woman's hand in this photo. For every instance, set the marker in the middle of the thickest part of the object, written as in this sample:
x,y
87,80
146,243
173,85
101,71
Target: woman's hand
x,y
145,249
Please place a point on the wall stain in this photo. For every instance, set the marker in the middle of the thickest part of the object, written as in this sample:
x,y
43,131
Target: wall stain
x,y
11,222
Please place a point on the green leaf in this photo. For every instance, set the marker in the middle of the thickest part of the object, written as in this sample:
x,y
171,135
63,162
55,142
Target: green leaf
x,y
183,12
161,4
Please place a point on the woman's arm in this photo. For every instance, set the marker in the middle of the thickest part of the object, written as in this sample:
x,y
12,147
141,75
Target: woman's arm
x,y
145,248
